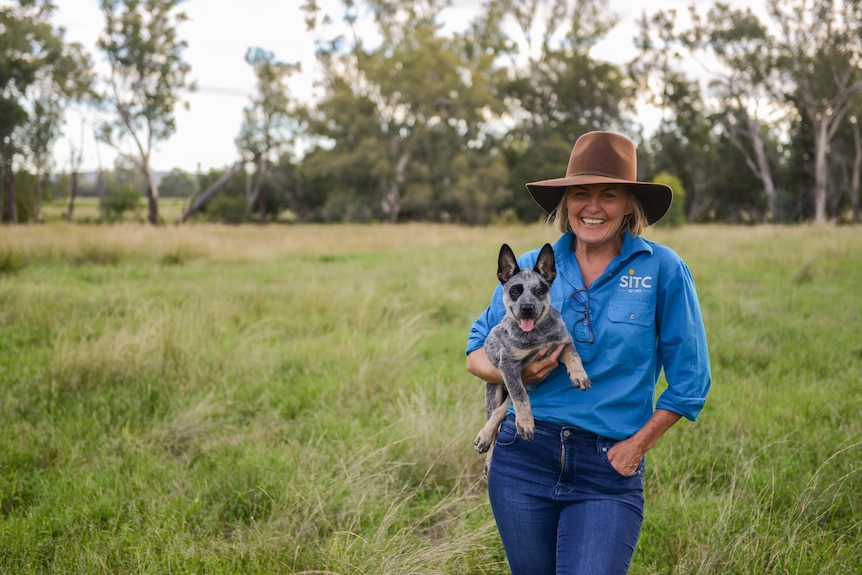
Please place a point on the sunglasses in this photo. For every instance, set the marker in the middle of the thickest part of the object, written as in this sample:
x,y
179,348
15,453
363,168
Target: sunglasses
x,y
583,328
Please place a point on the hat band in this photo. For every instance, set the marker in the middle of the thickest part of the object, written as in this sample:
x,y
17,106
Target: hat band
x,y
602,174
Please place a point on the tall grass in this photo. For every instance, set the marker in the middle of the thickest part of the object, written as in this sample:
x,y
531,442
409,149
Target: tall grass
x,y
205,399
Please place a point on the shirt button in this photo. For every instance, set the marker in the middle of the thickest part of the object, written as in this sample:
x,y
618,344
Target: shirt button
x,y
632,316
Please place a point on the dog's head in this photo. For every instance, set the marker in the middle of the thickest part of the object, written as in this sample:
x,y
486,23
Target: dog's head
x,y
527,293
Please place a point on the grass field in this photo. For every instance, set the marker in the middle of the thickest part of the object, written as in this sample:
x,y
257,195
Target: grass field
x,y
293,399
87,210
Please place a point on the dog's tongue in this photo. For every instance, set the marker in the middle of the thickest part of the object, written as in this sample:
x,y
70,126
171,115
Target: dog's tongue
x,y
527,324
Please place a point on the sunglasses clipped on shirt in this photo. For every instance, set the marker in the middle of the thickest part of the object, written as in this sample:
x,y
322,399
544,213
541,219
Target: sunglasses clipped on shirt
x,y
583,328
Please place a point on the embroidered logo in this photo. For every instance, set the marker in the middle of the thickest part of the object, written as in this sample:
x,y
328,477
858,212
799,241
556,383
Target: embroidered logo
x,y
634,283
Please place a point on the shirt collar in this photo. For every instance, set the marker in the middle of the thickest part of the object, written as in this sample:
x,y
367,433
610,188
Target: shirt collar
x,y
567,264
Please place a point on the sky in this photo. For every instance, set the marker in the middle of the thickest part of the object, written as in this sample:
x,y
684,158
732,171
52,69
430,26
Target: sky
x,y
218,34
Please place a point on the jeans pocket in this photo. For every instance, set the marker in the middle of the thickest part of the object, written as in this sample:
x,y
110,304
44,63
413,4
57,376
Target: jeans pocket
x,y
508,434
606,446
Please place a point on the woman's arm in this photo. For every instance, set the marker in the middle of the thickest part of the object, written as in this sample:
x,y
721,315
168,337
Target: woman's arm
x,y
626,455
479,365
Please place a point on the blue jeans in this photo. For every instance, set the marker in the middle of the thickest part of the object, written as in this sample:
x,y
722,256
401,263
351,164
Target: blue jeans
x,y
560,507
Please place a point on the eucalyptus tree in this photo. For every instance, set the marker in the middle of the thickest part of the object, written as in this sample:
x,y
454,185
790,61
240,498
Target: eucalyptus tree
x,y
68,79
39,73
682,143
845,155
745,84
146,78
269,123
820,53
391,100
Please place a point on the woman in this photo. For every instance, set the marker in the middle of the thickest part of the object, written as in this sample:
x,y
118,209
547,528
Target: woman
x,y
571,500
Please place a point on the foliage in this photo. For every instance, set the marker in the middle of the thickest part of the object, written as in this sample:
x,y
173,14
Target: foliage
x,y
398,112
675,216
39,73
801,69
285,401
226,209
119,200
229,203
269,125
417,121
178,184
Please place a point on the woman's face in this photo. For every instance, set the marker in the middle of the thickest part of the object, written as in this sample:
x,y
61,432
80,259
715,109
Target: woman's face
x,y
596,212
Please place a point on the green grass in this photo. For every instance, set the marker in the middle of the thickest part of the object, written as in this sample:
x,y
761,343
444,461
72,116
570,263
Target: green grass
x,y
205,399
87,210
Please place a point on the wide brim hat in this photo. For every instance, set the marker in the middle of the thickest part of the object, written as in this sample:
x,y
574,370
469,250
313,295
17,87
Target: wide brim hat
x,y
604,158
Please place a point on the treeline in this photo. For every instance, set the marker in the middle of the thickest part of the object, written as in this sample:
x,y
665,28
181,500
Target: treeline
x,y
417,121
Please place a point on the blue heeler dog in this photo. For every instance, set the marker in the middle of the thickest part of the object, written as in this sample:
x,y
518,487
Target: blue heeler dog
x,y
530,325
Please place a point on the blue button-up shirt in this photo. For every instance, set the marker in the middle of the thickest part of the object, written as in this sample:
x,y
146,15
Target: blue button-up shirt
x,y
644,317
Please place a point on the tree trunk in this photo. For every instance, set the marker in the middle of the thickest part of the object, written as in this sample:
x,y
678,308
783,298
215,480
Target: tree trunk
x,y
391,203
252,189
152,195
37,185
759,165
73,193
10,211
857,173
821,174
763,170
101,185
202,199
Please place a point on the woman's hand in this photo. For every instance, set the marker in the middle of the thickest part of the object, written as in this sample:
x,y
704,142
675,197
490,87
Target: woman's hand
x,y
545,362
541,367
625,456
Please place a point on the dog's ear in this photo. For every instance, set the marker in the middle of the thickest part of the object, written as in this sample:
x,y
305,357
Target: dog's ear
x,y
507,264
546,266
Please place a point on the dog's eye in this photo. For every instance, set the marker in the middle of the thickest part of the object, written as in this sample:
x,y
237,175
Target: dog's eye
x,y
516,290
540,291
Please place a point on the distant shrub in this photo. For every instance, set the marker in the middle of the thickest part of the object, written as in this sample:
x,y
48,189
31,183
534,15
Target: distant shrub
x,y
675,216
119,200
226,209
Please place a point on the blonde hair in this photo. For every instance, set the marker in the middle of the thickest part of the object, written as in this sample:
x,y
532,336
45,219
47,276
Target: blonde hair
x,y
635,222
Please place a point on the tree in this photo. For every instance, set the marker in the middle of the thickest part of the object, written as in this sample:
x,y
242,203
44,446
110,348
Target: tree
x,y
38,73
268,125
147,76
745,85
67,79
820,53
415,89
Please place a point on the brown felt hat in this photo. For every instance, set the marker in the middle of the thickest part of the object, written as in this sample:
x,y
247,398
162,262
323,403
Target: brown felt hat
x,y
604,158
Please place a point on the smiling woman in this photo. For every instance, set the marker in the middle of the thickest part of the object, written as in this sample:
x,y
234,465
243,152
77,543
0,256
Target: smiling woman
x,y
555,511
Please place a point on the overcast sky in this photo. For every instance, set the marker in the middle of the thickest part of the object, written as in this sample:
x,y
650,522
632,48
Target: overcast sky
x,y
218,34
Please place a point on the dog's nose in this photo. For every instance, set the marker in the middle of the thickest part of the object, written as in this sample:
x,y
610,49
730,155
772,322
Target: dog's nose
x,y
527,310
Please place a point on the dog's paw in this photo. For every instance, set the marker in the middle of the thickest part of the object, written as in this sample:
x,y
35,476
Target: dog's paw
x,y
582,383
526,427
483,443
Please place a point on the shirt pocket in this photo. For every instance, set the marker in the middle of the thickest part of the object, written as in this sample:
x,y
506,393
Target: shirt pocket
x,y
631,332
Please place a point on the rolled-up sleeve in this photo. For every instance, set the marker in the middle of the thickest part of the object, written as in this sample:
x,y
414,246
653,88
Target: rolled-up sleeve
x,y
485,322
682,345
